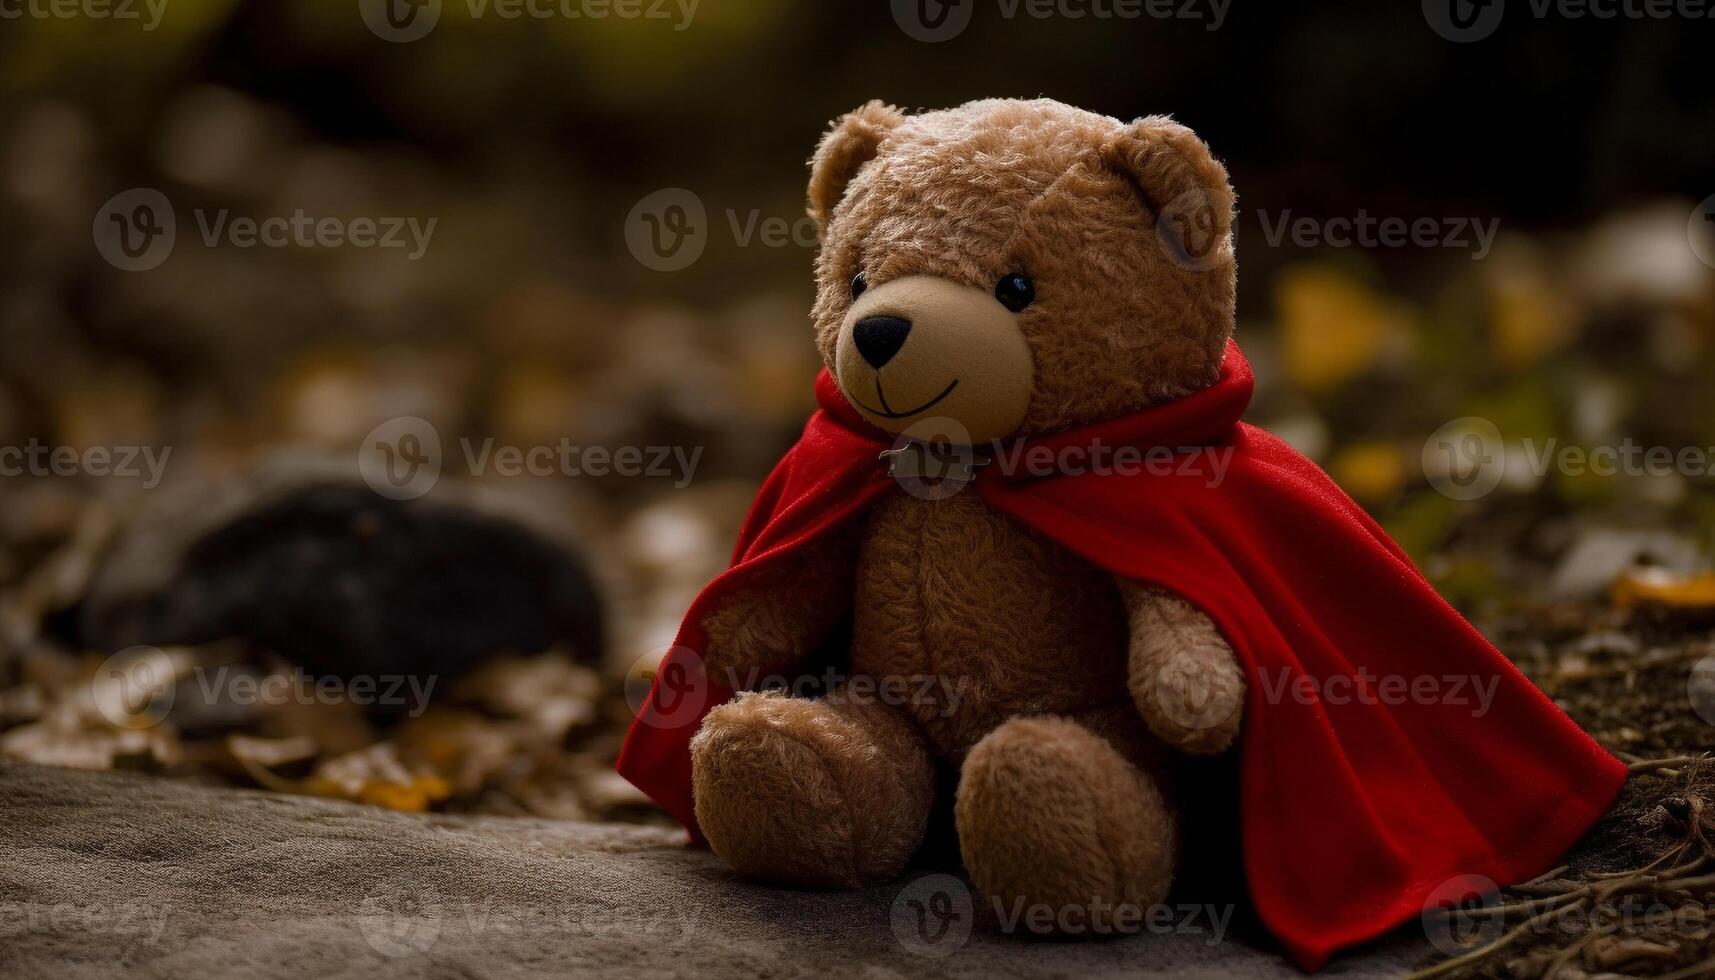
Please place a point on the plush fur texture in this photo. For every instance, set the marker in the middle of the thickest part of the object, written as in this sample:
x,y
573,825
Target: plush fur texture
x,y
1056,694
1184,679
771,625
826,791
1052,815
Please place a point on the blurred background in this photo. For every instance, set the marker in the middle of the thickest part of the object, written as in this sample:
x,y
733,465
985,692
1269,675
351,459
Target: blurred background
x,y
1561,293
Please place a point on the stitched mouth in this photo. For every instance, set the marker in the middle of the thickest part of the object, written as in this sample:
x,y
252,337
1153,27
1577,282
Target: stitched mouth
x,y
886,411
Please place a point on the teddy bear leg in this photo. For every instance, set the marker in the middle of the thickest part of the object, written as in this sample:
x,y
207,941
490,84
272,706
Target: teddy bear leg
x,y
827,792
1052,817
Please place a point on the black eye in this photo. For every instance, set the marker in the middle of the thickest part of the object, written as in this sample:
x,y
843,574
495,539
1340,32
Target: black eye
x,y
1015,291
858,285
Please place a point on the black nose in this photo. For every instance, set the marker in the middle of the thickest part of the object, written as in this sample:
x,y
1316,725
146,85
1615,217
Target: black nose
x,y
878,338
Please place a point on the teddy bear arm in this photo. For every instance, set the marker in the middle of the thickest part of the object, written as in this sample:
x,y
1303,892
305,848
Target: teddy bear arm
x,y
776,618
1184,676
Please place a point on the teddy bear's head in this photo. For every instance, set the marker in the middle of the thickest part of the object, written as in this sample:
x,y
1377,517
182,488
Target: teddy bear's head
x,y
1012,267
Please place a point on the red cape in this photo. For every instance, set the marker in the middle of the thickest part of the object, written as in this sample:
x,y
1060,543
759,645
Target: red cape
x,y
1358,797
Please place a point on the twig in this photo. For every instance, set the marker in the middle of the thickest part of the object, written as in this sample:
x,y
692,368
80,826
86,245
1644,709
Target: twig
x,y
1673,854
1651,765
1572,949
1545,876
1530,906
1507,939
1689,884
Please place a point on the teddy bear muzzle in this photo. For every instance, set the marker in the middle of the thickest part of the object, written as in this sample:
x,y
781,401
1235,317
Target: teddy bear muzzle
x,y
934,359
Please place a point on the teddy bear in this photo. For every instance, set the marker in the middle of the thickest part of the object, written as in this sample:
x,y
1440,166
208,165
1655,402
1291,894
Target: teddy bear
x,y
1023,281
1059,738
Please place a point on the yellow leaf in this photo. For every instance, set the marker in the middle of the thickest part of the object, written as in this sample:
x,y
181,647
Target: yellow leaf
x,y
1369,471
1332,327
1529,314
1660,587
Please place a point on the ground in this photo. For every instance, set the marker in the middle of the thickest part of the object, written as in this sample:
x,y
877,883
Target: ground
x,y
102,872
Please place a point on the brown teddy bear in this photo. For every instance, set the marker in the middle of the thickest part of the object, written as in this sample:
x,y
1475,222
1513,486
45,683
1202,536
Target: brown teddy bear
x,y
1017,281
1058,735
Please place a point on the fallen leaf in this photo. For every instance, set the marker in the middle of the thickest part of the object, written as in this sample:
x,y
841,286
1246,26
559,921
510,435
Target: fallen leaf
x,y
1661,587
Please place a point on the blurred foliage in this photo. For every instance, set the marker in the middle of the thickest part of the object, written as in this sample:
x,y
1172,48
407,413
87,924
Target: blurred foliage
x,y
1590,322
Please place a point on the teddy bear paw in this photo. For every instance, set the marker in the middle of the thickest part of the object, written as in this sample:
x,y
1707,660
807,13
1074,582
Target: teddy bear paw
x,y
810,791
1193,699
1059,831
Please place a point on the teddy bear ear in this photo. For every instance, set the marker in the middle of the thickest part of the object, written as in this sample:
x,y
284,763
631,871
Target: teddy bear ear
x,y
1180,181
850,144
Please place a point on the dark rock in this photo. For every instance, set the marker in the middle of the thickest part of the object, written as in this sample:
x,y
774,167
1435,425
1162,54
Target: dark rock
x,y
344,582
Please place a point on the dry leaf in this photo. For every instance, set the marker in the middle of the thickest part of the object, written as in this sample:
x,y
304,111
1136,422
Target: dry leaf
x,y
376,775
1660,587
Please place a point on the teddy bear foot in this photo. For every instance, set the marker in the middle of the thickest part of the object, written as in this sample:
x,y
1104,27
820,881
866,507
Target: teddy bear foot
x,y
1060,832
823,792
